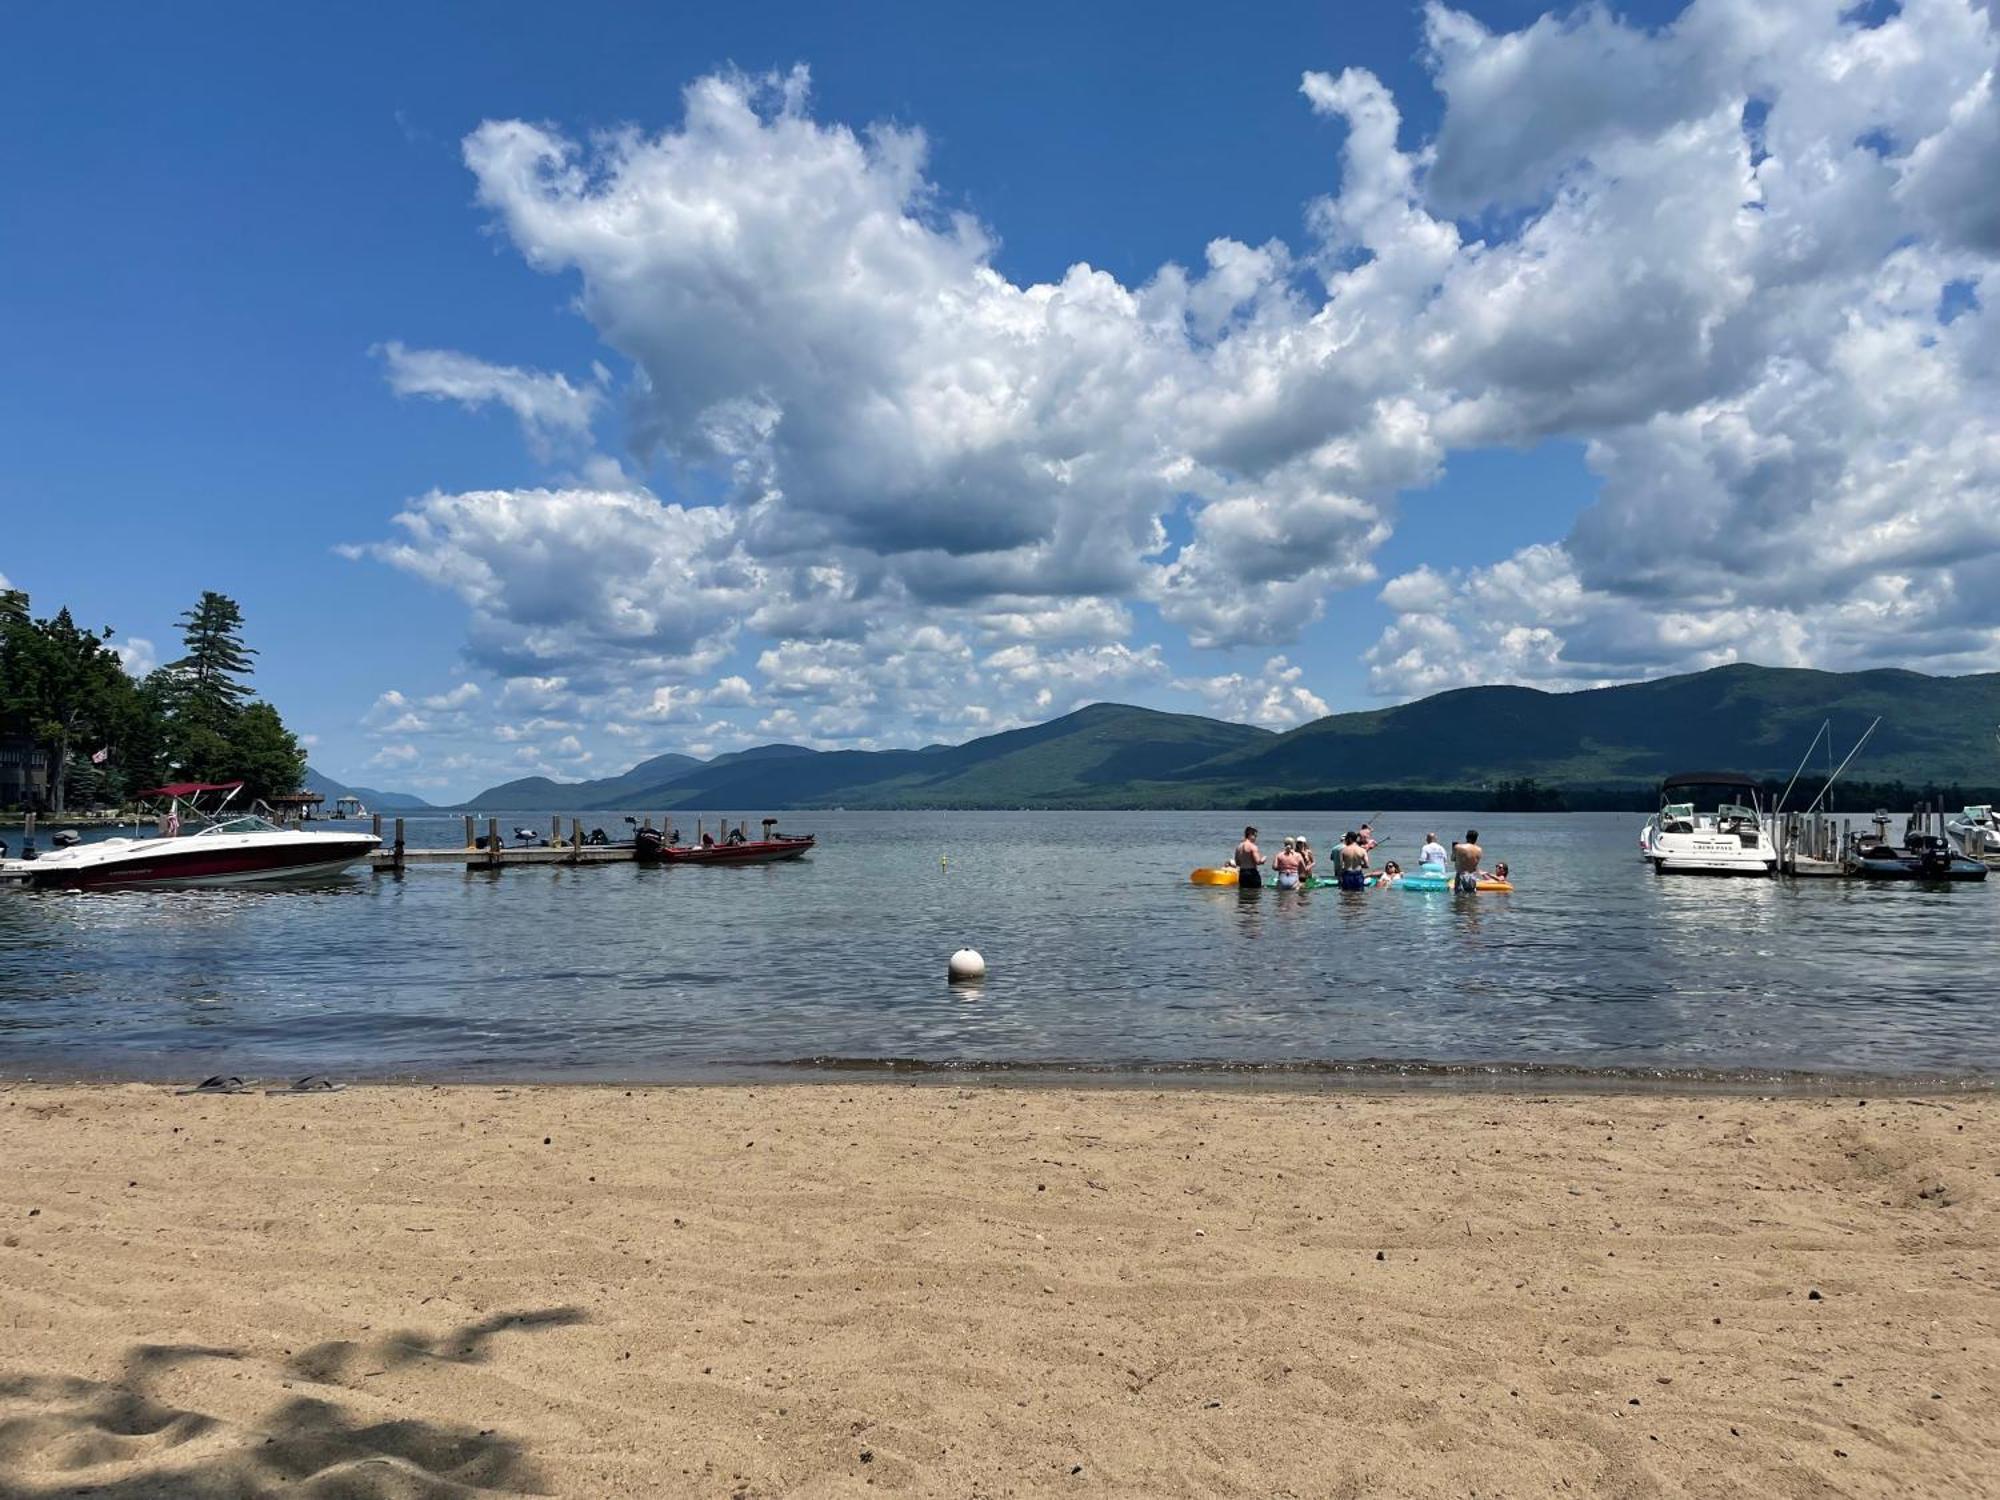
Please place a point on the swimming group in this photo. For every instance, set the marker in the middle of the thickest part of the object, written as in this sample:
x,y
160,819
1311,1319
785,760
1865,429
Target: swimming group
x,y
1354,868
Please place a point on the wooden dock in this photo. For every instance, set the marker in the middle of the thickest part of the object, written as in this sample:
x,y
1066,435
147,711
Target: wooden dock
x,y
1813,844
492,853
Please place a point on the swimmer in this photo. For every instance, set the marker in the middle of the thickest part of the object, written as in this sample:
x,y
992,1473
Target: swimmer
x,y
1287,866
1247,858
1353,860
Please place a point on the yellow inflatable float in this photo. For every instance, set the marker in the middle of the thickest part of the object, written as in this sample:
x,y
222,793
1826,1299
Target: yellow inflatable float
x,y
1496,885
1226,875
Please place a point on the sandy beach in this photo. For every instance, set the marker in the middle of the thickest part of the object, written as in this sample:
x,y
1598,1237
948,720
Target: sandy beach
x,y
834,1290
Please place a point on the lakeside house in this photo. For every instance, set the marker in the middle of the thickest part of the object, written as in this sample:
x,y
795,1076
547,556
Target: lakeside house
x,y
24,772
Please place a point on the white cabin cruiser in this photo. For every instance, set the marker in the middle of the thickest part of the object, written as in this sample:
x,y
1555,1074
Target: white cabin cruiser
x,y
1975,834
1709,823
200,842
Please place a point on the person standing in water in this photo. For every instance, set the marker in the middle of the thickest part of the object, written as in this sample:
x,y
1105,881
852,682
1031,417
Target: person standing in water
x,y
1307,861
1367,837
1433,853
1287,866
1465,858
1248,857
1353,862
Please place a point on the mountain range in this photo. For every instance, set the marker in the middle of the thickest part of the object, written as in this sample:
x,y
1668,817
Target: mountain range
x,y
1598,747
375,801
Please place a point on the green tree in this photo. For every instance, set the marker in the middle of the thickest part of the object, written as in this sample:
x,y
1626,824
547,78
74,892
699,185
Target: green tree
x,y
63,686
210,677
265,754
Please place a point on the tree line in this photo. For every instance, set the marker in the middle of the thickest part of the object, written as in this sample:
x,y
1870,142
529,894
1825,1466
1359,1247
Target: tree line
x,y
107,734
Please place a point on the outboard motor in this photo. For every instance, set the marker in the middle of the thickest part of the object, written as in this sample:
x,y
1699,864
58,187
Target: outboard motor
x,y
646,844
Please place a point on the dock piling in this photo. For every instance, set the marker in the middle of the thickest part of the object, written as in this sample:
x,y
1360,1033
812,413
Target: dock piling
x,y
471,832
493,841
399,843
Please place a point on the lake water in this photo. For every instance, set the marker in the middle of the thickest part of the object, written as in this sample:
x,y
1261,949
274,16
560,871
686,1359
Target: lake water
x,y
1102,956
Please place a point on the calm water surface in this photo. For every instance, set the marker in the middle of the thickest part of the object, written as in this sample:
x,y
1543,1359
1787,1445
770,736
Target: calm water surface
x,y
1101,955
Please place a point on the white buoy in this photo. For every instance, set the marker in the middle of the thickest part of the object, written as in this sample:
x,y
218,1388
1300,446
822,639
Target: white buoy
x,y
966,966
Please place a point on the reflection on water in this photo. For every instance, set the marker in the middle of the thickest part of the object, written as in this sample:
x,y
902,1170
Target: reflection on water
x,y
1100,953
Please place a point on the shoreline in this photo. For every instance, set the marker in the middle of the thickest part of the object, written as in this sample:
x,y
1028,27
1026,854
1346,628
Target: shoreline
x,y
1362,1076
986,1290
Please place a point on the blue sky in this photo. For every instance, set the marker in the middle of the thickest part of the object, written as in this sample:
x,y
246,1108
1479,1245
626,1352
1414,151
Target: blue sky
x,y
219,219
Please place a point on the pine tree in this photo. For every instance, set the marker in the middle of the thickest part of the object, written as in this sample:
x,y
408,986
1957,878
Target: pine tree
x,y
209,677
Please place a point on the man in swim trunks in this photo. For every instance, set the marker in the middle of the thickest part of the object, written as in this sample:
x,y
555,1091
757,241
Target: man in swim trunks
x,y
1465,858
1288,865
1353,860
1433,853
1248,858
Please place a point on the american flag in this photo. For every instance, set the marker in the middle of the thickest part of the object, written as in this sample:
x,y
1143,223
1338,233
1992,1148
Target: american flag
x,y
101,756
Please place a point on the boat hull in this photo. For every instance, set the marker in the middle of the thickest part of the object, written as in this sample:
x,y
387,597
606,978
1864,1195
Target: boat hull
x,y
195,862
1706,864
1958,868
759,852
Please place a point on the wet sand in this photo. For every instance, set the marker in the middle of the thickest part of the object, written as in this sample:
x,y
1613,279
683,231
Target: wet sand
x,y
831,1290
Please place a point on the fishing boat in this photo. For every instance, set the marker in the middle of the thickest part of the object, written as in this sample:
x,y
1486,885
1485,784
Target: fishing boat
x,y
1921,856
1976,835
653,846
1709,823
200,841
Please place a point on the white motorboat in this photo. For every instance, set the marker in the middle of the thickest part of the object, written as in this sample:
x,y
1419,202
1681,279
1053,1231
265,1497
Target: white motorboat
x,y
1975,834
199,842
1709,823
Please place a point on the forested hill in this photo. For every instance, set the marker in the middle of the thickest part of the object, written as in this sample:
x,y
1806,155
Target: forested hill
x,y
1743,718
1094,757
1470,747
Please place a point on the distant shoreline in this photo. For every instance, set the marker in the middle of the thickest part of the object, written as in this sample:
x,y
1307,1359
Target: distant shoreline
x,y
1369,1076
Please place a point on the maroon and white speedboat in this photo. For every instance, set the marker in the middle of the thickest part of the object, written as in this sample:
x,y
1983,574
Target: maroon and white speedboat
x,y
200,842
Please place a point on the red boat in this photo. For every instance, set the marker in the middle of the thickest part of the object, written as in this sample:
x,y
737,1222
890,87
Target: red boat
x,y
746,852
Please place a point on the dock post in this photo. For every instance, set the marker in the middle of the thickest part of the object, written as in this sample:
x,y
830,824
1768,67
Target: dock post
x,y
493,841
399,844
28,837
471,833
376,819
649,820
555,830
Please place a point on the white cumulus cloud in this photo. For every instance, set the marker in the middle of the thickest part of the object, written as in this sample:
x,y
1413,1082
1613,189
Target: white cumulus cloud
x,y
1744,258
546,405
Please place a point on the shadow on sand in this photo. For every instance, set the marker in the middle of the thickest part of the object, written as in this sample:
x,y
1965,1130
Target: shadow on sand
x,y
118,1440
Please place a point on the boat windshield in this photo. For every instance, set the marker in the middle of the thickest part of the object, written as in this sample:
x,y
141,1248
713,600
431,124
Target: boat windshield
x,y
1723,801
248,823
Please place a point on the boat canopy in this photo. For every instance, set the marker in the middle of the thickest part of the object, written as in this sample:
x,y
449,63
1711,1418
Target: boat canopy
x,y
1709,778
189,788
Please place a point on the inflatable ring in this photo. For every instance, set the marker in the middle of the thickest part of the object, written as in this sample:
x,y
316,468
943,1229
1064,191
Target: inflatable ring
x,y
1222,876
